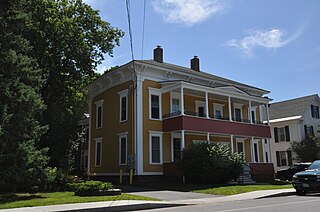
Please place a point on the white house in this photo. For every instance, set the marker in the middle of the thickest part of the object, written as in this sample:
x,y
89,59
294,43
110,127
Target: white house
x,y
292,120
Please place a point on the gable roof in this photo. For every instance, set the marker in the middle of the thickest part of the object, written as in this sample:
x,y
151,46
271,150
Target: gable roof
x,y
200,73
291,107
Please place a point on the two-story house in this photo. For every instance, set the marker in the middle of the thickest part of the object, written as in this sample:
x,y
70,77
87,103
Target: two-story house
x,y
144,113
292,120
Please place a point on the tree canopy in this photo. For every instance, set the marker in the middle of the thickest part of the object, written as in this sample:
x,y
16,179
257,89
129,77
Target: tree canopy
x,y
307,150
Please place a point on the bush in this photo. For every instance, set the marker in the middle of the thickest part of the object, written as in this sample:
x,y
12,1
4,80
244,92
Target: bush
x,y
57,179
211,162
90,186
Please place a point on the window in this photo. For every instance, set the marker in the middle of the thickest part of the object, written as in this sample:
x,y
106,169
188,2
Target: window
x,y
155,104
284,158
218,111
240,148
99,113
176,149
315,111
123,149
175,106
281,134
308,130
256,152
123,105
237,112
200,108
98,151
253,115
155,140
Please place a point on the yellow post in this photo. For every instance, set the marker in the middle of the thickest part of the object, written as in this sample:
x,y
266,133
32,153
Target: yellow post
x,y
120,180
131,176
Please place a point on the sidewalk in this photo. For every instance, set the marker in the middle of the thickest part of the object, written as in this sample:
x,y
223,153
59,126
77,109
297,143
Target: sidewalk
x,y
132,205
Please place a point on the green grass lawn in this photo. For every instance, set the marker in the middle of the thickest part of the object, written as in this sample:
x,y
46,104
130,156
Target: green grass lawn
x,y
238,189
40,199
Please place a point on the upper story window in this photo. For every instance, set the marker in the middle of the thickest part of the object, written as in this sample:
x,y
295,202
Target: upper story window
x,y
155,104
99,113
175,103
281,134
308,130
253,115
218,110
237,112
315,111
123,105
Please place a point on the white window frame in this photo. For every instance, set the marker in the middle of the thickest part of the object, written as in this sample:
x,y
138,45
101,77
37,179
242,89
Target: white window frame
x,y
200,104
156,92
123,94
174,95
253,159
238,106
155,134
96,141
254,110
174,135
99,104
244,148
123,135
217,106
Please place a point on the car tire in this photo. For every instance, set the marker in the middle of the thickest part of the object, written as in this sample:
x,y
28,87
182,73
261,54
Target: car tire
x,y
301,192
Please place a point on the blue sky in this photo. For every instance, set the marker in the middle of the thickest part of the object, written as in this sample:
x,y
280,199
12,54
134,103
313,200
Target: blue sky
x,y
271,44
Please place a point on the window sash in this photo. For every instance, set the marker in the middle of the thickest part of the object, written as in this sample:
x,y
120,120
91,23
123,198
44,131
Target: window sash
x,y
98,153
155,149
99,116
155,106
123,109
123,150
175,105
176,149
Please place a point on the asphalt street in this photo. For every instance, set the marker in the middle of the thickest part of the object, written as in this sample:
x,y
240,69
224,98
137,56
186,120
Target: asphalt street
x,y
292,203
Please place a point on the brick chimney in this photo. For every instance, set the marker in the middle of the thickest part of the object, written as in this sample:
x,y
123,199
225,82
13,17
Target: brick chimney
x,y
195,64
158,54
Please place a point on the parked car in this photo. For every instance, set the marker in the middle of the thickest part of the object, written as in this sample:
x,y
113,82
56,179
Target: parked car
x,y
308,180
287,174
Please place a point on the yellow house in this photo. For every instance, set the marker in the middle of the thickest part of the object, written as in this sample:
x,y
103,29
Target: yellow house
x,y
145,112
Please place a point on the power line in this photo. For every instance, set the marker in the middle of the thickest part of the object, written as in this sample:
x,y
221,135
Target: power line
x,y
129,24
143,26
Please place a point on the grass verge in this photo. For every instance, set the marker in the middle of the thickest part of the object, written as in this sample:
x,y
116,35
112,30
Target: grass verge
x,y
238,189
18,200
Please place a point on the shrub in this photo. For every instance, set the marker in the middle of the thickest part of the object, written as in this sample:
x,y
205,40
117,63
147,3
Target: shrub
x,y
91,186
57,179
211,162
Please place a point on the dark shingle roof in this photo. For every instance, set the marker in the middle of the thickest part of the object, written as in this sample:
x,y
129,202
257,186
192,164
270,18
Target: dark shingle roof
x,y
290,108
200,73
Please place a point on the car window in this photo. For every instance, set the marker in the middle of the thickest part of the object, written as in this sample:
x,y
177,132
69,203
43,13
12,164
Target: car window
x,y
315,165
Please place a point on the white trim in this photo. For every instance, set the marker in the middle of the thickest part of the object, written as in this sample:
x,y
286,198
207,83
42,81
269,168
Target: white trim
x,y
155,92
241,140
99,104
253,109
152,173
122,133
89,142
284,119
217,106
123,94
200,104
174,95
120,137
97,140
155,134
139,124
174,135
238,106
255,142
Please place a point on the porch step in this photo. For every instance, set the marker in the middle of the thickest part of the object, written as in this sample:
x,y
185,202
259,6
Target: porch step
x,y
245,179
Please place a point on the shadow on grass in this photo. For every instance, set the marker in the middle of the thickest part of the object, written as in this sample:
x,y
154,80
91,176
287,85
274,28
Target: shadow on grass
x,y
5,198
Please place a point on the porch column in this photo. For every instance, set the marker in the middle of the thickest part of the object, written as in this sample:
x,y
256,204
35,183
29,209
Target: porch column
x,y
231,144
249,112
208,137
182,140
263,150
229,105
251,150
207,107
181,100
268,115
270,150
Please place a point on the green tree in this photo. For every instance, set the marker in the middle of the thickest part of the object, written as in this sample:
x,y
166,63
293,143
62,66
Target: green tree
x,y
211,162
308,149
69,40
21,162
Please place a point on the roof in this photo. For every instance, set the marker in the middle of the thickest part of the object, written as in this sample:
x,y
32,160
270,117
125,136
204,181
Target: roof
x,y
197,73
291,107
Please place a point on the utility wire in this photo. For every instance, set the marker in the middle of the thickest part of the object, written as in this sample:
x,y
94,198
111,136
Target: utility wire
x,y
143,26
130,30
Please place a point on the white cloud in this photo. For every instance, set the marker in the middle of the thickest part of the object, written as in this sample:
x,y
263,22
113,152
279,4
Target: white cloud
x,y
188,12
268,39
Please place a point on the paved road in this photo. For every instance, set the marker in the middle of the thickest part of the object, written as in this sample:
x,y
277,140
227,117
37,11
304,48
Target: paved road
x,y
292,203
